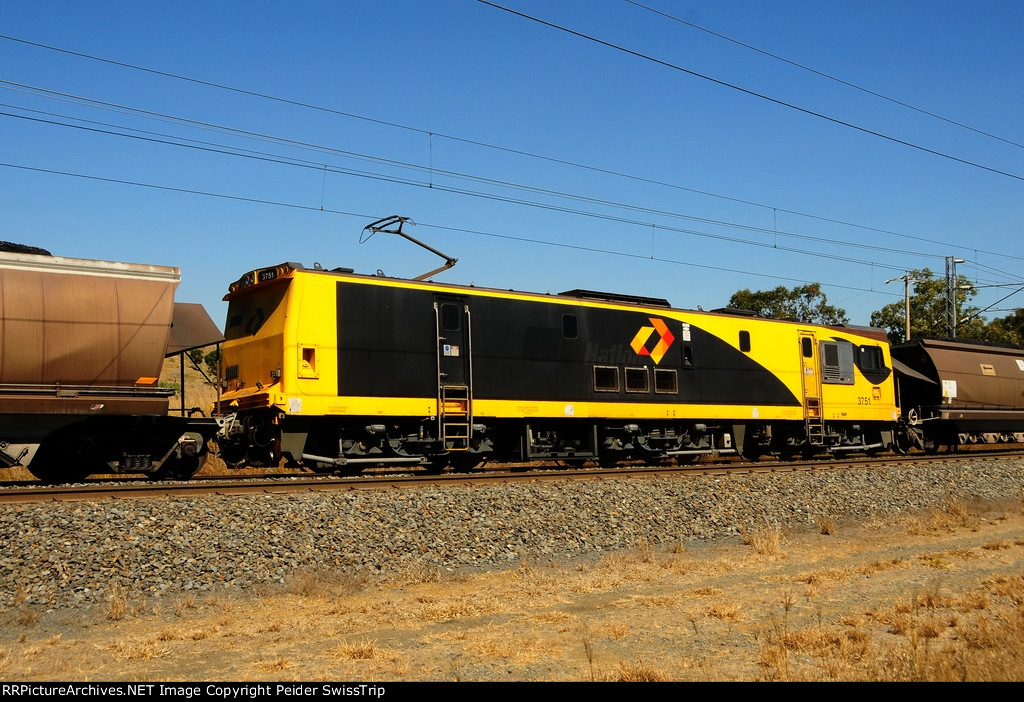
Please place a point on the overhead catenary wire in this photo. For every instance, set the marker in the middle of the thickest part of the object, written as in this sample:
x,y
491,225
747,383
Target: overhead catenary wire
x,y
828,76
364,216
752,93
431,134
222,149
452,174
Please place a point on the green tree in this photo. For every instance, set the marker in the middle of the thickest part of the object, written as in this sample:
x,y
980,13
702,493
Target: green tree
x,y
803,303
928,310
212,361
1007,330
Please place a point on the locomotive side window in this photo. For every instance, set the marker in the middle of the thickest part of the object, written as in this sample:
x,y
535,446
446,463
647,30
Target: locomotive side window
x,y
745,341
666,381
870,358
807,346
450,317
687,356
637,380
570,326
606,379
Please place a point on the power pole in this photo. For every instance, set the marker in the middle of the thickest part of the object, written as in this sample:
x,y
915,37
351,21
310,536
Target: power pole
x,y
906,302
951,262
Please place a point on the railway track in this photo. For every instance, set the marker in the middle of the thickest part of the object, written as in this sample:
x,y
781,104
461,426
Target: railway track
x,y
138,488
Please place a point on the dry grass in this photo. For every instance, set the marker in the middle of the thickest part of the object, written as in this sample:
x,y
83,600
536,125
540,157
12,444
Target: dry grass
x,y
120,604
726,611
835,608
135,651
638,671
956,516
767,539
826,524
362,650
199,394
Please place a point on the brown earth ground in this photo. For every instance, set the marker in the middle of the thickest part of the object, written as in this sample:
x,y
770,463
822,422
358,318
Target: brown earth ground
x,y
936,596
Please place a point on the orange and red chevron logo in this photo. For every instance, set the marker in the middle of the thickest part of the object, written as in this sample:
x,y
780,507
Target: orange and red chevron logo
x,y
639,343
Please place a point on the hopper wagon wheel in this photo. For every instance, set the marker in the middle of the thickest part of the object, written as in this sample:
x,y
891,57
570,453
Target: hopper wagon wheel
x,y
55,473
67,457
180,468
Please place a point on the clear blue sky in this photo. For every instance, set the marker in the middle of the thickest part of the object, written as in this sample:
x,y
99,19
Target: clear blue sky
x,y
692,189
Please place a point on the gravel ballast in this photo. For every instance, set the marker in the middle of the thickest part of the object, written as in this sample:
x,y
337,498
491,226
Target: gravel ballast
x,y
65,554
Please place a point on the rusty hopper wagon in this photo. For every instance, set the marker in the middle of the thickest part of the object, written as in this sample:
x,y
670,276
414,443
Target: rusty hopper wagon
x,y
81,347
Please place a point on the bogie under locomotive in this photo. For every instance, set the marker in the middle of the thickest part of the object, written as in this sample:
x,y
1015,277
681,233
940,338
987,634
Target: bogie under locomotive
x,y
331,368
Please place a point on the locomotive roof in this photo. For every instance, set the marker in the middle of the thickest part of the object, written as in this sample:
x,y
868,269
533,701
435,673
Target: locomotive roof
x,y
264,276
617,297
270,274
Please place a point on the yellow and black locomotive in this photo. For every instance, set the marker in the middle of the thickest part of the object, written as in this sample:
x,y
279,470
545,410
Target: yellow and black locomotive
x,y
332,368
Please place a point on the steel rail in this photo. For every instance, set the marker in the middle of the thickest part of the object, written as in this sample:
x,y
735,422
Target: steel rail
x,y
252,485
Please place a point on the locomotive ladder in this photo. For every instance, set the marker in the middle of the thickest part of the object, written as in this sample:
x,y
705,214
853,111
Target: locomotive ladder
x,y
456,418
815,425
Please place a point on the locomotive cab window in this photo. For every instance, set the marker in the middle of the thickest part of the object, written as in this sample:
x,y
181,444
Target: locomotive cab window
x,y
637,380
870,358
606,379
807,347
450,316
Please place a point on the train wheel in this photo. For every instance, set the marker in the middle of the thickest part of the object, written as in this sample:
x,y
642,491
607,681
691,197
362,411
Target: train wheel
x,y
234,454
465,463
53,473
179,468
901,442
436,465
67,457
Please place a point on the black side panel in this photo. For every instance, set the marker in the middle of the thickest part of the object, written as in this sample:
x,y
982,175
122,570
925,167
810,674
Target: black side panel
x,y
524,350
521,352
386,342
